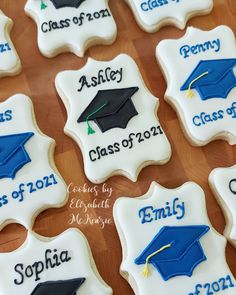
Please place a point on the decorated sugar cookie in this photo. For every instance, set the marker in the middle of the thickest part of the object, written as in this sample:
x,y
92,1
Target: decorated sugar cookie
x,y
152,15
112,117
169,245
29,180
9,61
223,184
58,266
71,25
204,94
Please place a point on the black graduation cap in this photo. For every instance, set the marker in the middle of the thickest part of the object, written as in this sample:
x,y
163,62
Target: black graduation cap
x,y
13,155
110,108
67,3
212,78
67,287
174,251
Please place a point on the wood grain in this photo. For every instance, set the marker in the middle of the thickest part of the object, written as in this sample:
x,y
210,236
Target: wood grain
x,y
187,162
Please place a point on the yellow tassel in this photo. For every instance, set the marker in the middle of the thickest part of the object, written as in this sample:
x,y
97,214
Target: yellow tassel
x,y
190,93
146,271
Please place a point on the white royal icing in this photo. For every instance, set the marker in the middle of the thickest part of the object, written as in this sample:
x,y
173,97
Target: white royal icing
x,y
72,29
132,155
9,60
37,185
186,208
223,183
198,117
30,259
153,14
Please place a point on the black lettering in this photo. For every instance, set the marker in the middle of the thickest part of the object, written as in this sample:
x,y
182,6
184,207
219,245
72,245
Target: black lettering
x,y
110,149
117,147
18,269
103,152
94,81
98,152
89,16
91,155
49,263
83,81
38,269
44,27
29,271
64,256
232,186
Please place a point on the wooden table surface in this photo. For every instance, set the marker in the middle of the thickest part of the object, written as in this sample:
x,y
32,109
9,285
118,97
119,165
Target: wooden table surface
x,y
187,162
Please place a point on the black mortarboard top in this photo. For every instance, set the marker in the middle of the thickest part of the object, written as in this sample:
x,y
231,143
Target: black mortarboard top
x,y
174,251
67,3
67,287
13,155
212,78
110,108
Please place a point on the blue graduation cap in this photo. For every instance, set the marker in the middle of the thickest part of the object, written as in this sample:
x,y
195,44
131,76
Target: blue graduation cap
x,y
13,155
174,251
65,287
212,78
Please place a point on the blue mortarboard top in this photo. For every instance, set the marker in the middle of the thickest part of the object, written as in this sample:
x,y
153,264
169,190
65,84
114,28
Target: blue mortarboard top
x,y
180,250
13,155
212,78
65,287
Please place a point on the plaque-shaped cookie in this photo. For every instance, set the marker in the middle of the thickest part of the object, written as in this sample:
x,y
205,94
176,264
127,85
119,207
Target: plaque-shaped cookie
x,y
61,265
71,26
29,180
203,95
112,117
169,245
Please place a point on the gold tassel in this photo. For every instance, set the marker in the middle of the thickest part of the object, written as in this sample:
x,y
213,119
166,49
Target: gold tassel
x,y
146,271
190,93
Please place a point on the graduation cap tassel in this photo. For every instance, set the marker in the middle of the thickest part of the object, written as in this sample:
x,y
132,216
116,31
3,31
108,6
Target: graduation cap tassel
x,y
146,268
42,5
190,92
90,129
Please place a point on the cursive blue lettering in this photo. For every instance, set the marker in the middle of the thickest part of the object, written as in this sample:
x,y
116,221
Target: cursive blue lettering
x,y
149,213
187,50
